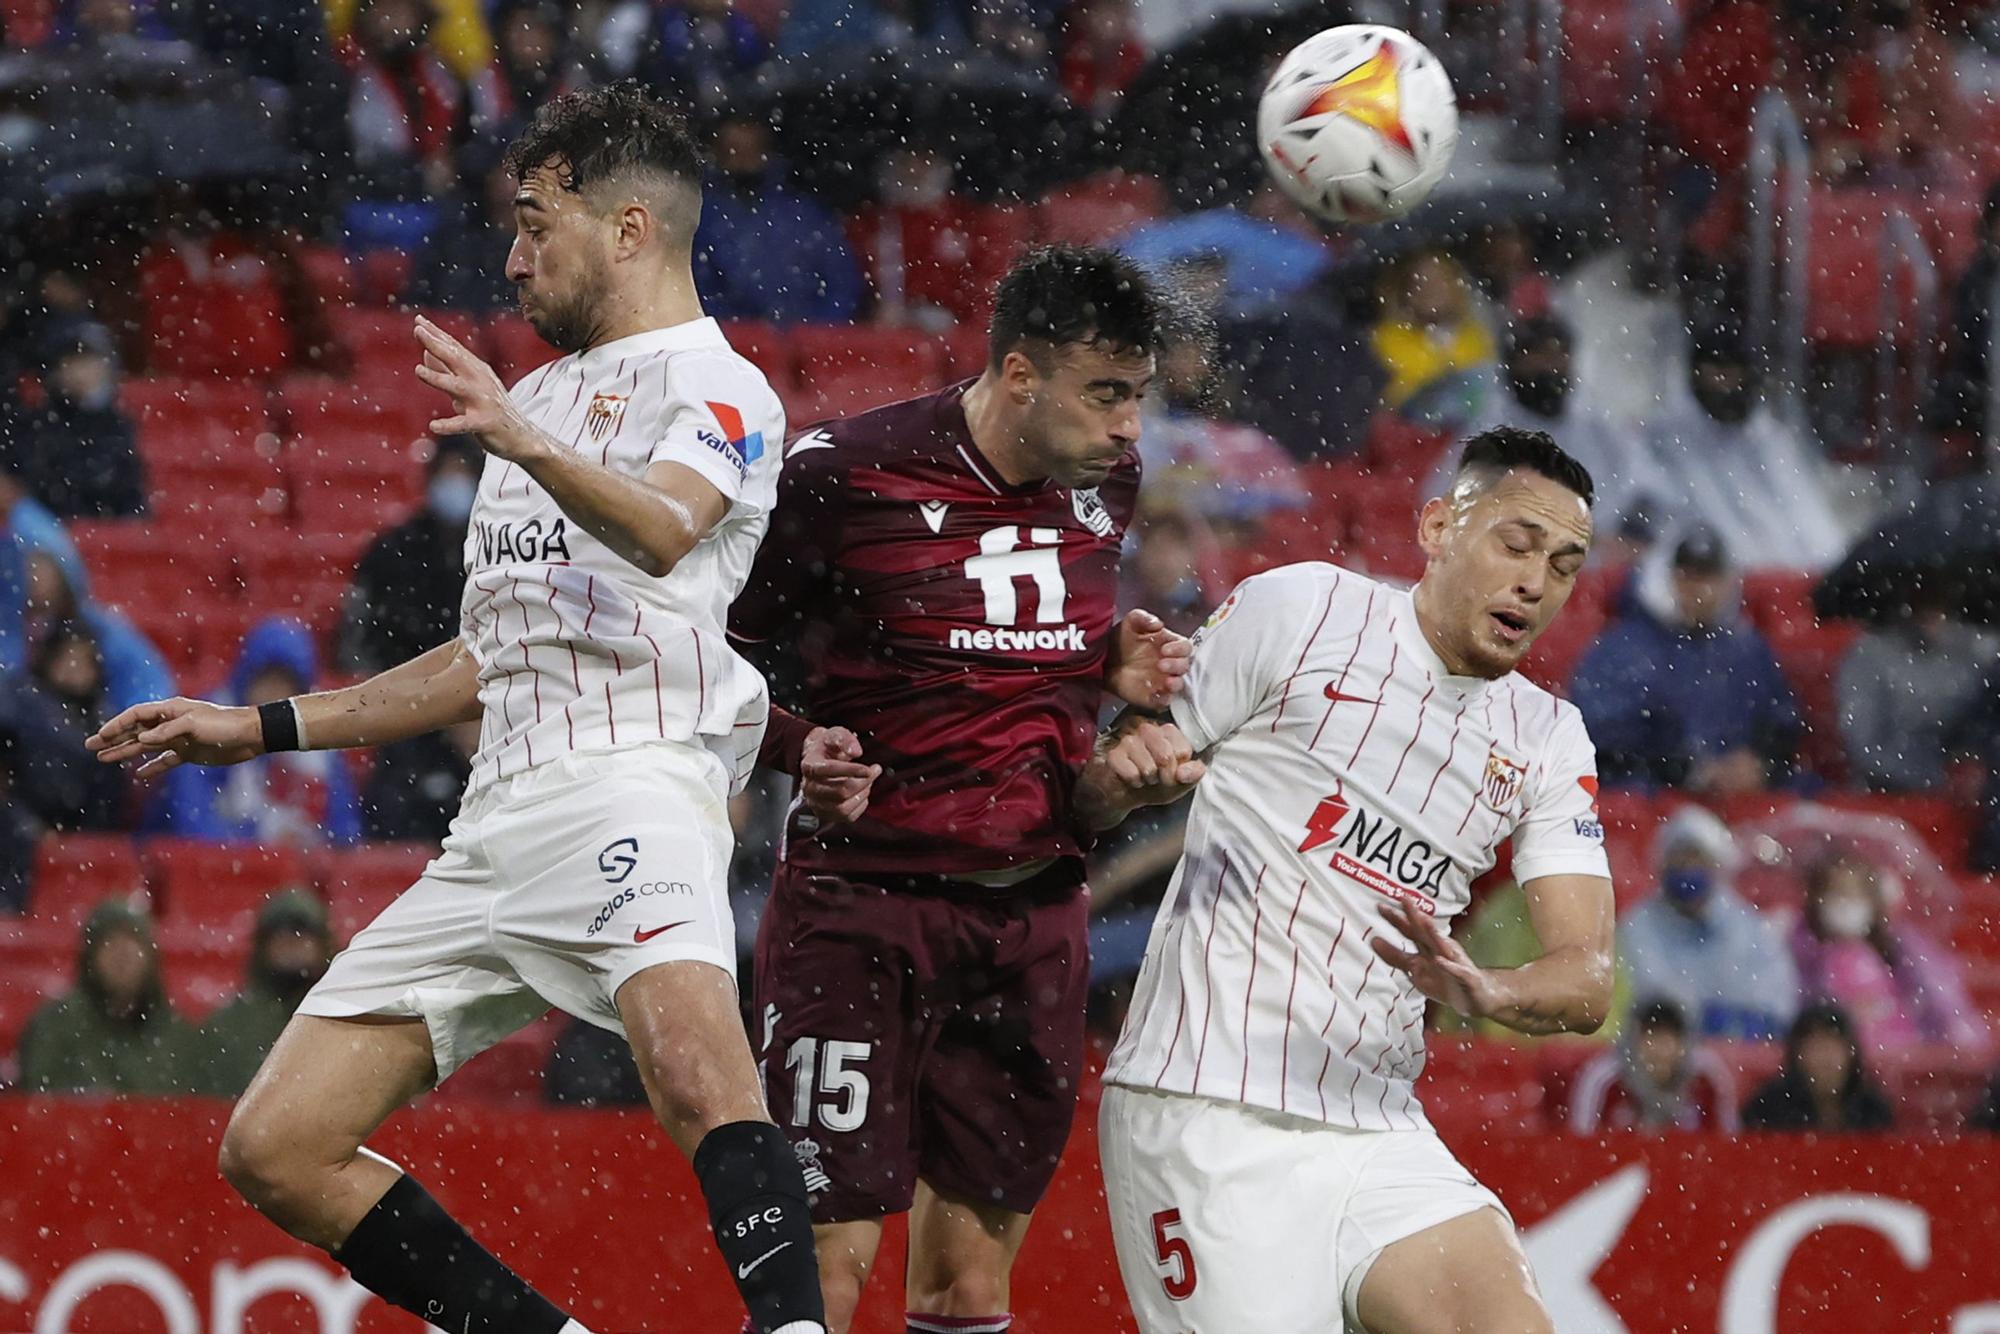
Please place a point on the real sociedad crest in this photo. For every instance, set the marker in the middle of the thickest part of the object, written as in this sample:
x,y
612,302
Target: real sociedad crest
x,y
606,411
1090,511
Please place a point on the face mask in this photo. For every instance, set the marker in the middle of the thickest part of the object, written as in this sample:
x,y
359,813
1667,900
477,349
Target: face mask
x,y
1846,918
1687,889
450,498
1729,406
1541,394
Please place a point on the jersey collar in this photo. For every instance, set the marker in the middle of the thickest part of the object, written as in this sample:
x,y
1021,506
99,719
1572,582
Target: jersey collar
x,y
1411,636
685,337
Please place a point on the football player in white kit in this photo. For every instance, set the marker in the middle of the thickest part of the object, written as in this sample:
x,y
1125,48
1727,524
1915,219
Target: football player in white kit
x,y
625,492
1358,753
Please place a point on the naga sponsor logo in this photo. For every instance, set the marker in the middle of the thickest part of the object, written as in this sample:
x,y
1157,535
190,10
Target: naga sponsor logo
x,y
632,894
517,543
1378,852
1066,639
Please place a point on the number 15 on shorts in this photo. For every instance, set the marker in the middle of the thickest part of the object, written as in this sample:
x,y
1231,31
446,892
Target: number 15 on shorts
x,y
1176,1257
826,1084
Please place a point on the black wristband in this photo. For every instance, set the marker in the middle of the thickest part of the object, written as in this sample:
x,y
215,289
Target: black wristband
x,y
280,723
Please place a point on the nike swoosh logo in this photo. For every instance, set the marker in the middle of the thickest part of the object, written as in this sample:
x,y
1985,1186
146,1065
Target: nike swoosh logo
x,y
744,1271
1339,698
641,937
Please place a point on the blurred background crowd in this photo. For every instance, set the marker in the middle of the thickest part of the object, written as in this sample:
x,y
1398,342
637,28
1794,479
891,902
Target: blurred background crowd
x,y
1739,256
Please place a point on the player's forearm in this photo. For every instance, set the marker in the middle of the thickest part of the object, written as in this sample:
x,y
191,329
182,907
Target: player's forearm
x,y
637,521
432,690
784,742
1567,990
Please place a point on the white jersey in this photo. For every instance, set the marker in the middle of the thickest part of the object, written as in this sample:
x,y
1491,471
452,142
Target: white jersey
x,y
578,650
1348,768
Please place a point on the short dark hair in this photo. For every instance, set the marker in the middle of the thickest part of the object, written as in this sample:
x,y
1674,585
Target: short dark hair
x,y
1531,332
602,132
1664,1014
1058,295
1501,449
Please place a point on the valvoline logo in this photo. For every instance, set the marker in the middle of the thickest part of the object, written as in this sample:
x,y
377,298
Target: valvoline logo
x,y
739,446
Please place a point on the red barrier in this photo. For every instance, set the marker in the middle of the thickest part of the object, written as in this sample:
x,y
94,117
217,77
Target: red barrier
x,y
112,1219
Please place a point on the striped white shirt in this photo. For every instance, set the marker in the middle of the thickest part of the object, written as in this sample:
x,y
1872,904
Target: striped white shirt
x,y
577,649
1347,766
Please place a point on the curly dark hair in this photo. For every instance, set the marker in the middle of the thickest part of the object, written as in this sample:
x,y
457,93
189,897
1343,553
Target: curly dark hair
x,y
605,132
1501,449
1059,295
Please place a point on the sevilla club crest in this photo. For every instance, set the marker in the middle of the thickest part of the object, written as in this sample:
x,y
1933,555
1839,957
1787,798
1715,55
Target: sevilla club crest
x,y
606,411
1502,782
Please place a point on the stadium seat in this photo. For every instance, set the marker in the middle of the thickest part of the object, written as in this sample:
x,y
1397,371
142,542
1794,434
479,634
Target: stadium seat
x,y
359,882
170,403
510,1070
218,312
1099,209
400,406
132,562
1478,1080
329,274
202,974
216,493
75,872
965,350
844,370
296,578
382,346
514,348
213,891
1396,447
948,258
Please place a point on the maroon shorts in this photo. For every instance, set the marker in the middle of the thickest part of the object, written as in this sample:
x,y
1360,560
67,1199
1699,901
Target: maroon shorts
x,y
915,1026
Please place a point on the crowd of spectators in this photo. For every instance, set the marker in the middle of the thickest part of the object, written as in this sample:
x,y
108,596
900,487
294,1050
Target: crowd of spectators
x,y
1325,347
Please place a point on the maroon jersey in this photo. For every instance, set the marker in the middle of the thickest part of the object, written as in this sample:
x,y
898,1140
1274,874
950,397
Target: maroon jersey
x,y
956,624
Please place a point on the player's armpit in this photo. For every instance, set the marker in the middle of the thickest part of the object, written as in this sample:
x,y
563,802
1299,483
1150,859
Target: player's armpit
x,y
1568,989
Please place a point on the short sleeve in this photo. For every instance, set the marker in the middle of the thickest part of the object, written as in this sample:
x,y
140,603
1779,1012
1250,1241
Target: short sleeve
x,y
720,419
1561,834
1244,652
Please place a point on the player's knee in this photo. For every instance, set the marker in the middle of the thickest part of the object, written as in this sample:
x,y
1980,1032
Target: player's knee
x,y
254,1158
840,1289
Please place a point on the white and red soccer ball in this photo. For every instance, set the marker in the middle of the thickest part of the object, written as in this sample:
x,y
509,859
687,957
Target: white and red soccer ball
x,y
1358,123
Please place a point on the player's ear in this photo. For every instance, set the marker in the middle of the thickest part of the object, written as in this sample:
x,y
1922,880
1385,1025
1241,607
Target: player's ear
x,y
1434,525
635,227
1021,376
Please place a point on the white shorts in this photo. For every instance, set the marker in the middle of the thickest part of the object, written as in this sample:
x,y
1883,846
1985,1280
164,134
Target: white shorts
x,y
1230,1219
552,888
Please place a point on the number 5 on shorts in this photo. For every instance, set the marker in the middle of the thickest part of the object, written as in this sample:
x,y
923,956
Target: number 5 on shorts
x,y
1174,1253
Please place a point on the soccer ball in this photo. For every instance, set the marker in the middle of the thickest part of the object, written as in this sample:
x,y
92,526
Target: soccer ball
x,y
1358,123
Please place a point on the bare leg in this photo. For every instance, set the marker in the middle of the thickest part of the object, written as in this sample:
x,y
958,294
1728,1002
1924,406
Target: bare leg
x,y
961,1255
688,1039
1465,1276
293,1145
846,1256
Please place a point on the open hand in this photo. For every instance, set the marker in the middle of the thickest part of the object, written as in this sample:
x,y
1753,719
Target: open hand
x,y
480,403
167,732
1437,964
1148,663
834,785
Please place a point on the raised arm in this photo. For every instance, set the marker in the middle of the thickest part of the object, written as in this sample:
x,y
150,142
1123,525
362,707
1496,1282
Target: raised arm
x,y
1566,990
430,691
652,521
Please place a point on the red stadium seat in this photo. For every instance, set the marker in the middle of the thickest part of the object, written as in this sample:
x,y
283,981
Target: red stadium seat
x,y
358,504
1099,209
1400,448
1478,1080
948,258
202,974
382,346
135,562
510,1070
514,348
329,274
75,872
400,406
844,370
220,491
1779,601
214,308
240,407
296,578
214,891
965,350
381,277
360,882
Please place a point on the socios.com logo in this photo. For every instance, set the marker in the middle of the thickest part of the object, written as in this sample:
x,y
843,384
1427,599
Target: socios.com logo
x,y
619,860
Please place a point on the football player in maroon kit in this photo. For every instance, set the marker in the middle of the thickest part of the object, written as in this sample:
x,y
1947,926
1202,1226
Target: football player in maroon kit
x,y
946,567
